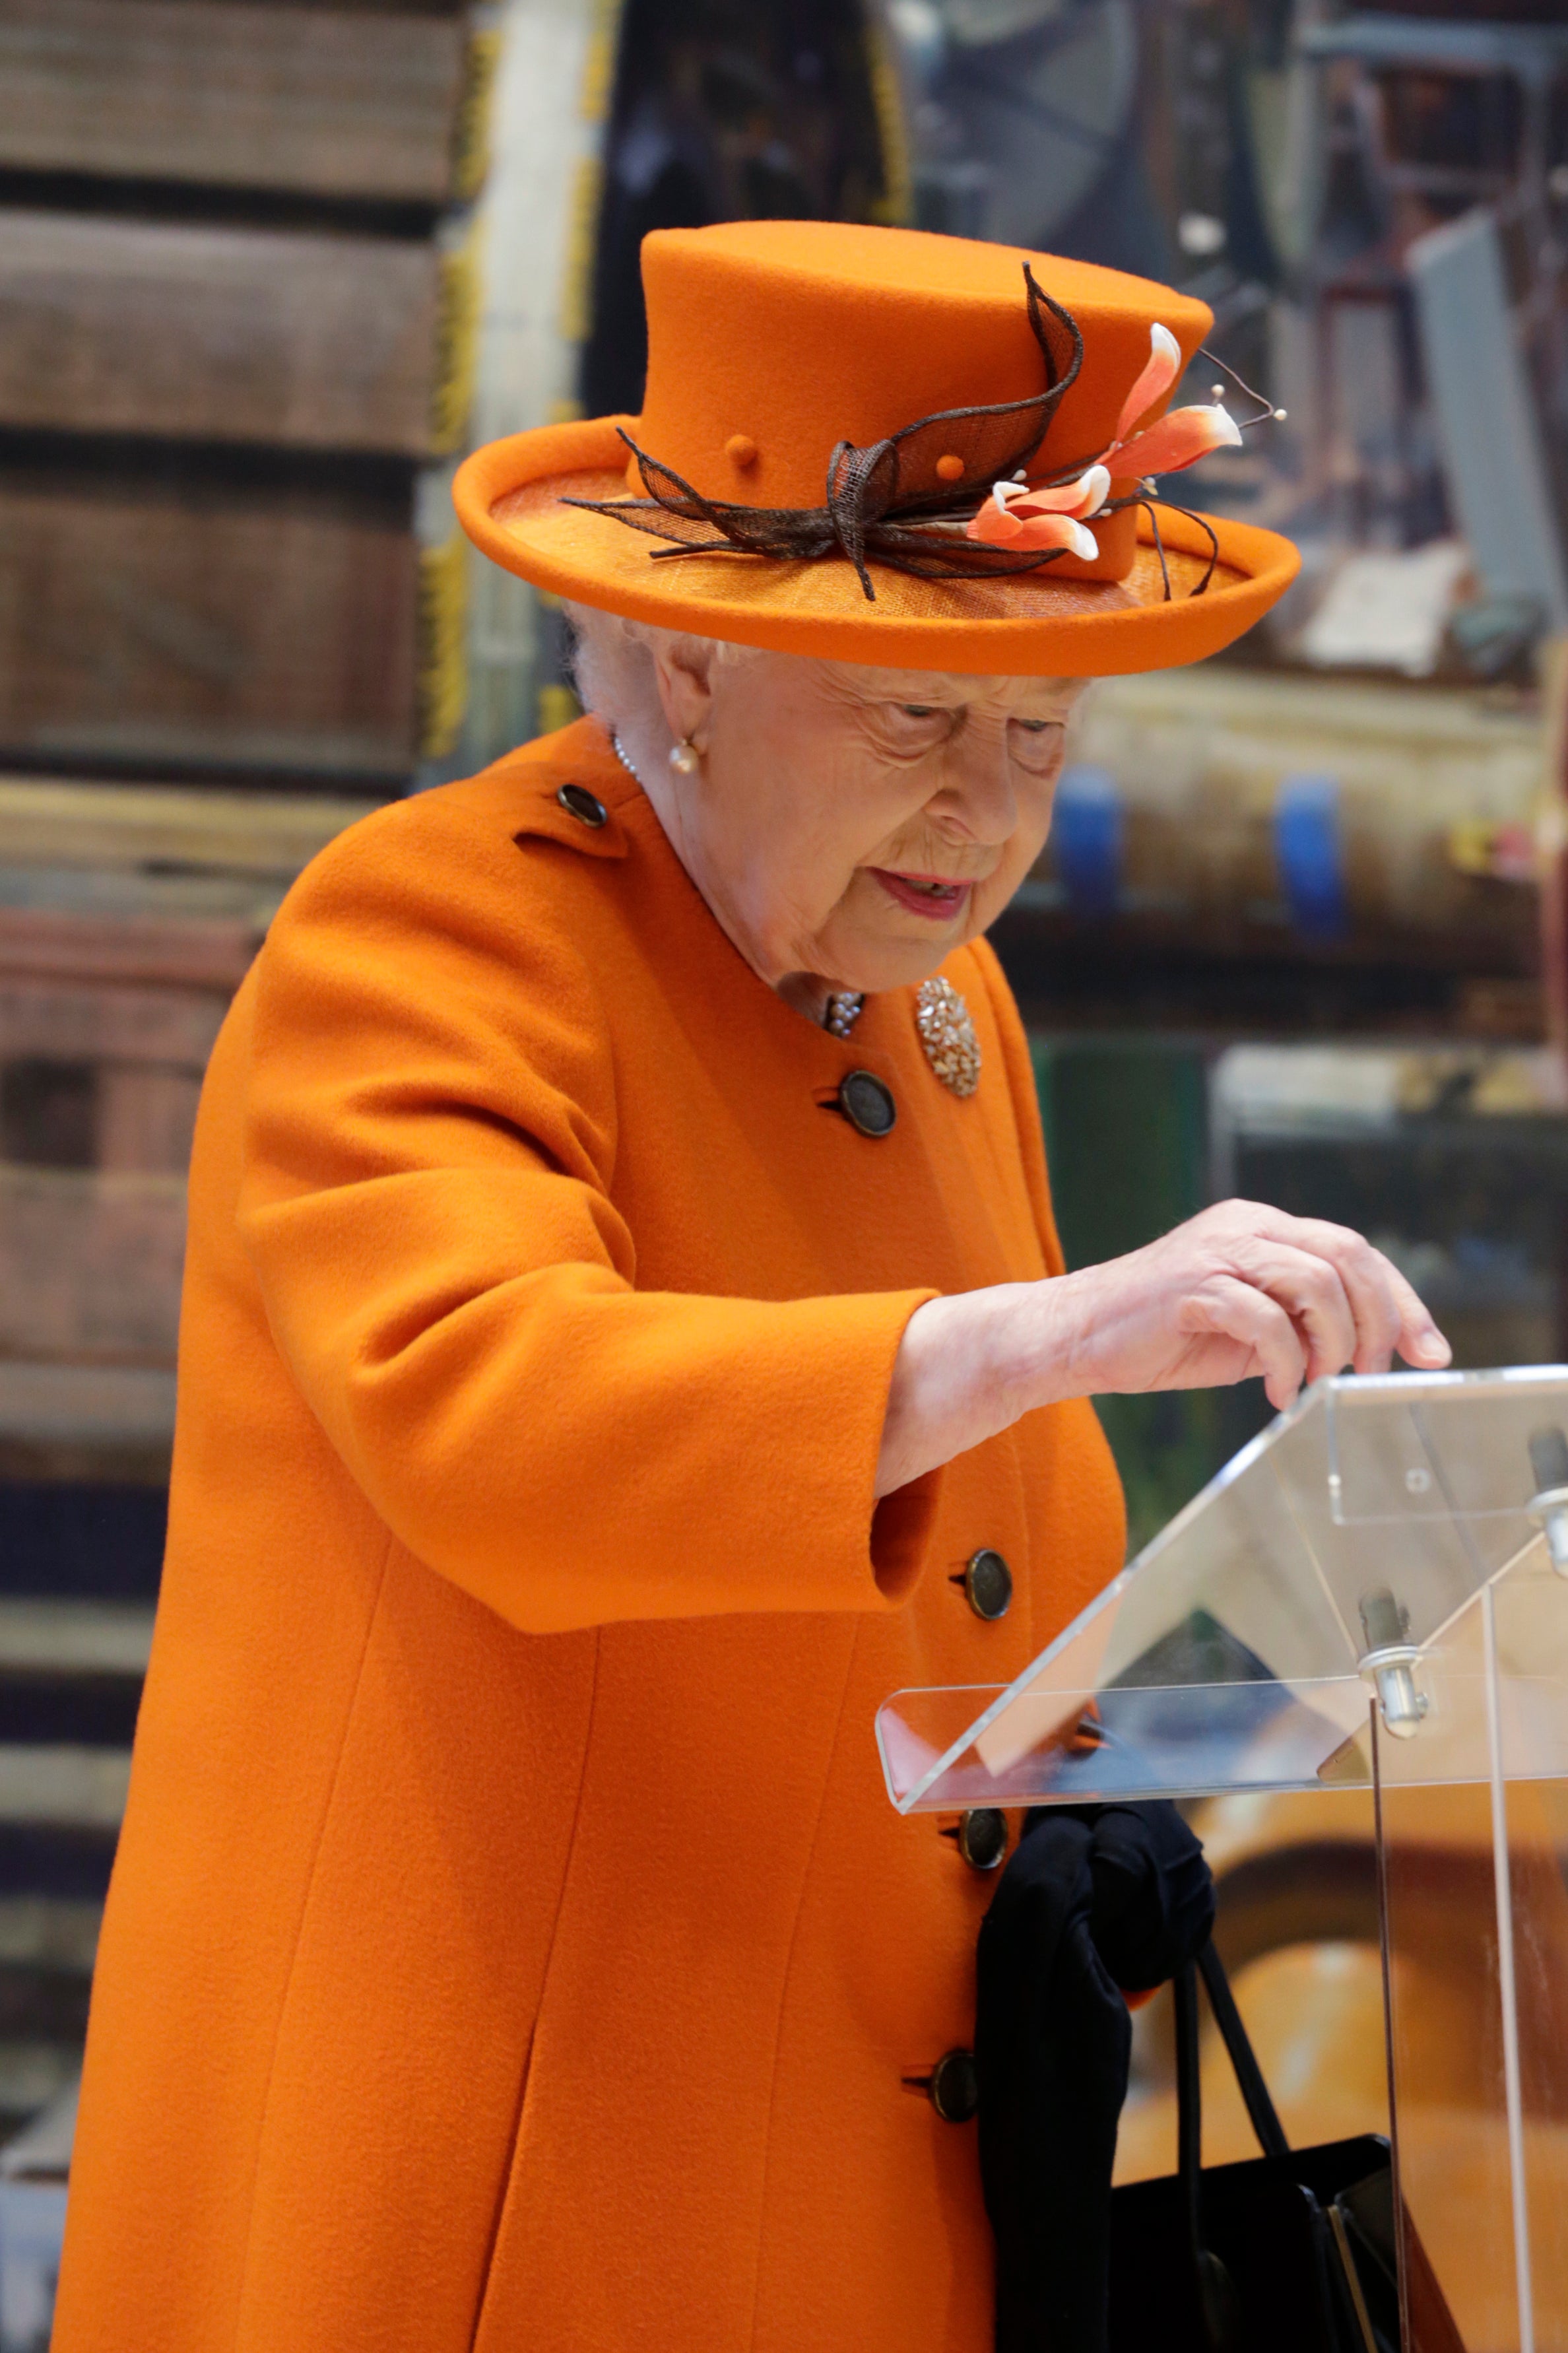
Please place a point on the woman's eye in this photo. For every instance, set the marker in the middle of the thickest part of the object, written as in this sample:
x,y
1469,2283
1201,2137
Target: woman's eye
x,y
1038,743
916,727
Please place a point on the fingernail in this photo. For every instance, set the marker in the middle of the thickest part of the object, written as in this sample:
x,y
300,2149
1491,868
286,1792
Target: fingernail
x,y
1434,1345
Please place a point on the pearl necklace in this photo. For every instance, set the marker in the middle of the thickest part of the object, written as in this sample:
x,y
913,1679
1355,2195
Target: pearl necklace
x,y
615,748
844,1005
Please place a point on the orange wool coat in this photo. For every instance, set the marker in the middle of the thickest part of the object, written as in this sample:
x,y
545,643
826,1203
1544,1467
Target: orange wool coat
x,y
511,1945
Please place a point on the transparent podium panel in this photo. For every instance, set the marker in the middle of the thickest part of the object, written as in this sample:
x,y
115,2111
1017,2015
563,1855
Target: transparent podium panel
x,y
1473,1852
1373,1595
1242,1648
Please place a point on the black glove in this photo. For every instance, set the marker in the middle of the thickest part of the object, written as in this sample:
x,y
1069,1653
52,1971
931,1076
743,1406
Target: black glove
x,y
1095,1899
1153,1897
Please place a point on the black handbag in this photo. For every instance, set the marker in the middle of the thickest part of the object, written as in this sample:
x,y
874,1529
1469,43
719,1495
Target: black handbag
x,y
1292,2251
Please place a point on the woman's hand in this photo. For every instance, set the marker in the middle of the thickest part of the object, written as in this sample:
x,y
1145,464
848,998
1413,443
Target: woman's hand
x,y
1239,1289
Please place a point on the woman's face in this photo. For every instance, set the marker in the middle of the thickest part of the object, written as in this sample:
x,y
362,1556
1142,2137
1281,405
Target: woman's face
x,y
852,826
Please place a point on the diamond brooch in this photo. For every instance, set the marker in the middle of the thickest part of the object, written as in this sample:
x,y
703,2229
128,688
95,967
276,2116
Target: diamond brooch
x,y
947,1033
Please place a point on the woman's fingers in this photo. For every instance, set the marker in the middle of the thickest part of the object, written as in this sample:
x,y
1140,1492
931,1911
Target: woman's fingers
x,y
1347,1303
1389,1313
1225,1306
1368,1279
1310,1289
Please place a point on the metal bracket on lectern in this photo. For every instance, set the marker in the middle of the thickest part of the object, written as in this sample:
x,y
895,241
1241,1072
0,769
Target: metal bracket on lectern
x,y
1549,1509
1389,1665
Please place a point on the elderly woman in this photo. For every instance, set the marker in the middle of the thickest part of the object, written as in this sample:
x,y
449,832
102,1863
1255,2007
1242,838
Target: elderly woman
x,y
625,1339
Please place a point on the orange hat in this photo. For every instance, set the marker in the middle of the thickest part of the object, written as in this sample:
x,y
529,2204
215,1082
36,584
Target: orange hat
x,y
785,357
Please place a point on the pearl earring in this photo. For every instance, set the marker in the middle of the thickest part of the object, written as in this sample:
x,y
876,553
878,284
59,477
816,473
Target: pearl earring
x,y
685,758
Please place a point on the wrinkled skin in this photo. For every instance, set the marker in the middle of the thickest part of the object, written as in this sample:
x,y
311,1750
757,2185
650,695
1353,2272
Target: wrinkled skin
x,y
818,779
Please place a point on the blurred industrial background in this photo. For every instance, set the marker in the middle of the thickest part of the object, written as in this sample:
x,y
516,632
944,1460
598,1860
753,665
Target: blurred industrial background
x,y
269,268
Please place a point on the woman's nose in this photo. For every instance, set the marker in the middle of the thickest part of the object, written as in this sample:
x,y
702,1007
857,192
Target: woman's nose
x,y
977,793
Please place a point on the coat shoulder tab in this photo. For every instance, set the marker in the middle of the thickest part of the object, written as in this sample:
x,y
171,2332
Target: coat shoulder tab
x,y
566,789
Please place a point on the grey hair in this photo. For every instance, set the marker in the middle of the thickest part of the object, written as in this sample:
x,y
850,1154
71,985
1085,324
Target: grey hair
x,y
613,669
613,666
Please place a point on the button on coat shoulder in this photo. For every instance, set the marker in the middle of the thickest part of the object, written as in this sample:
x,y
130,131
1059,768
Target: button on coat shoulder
x,y
537,1334
585,805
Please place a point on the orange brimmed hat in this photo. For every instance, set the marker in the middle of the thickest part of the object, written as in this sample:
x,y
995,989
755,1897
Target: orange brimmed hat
x,y
885,447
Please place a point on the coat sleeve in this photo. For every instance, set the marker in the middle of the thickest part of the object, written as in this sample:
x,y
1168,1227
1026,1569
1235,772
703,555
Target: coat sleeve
x,y
425,1202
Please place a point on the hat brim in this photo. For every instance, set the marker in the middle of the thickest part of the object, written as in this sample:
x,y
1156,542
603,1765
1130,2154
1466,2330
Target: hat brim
x,y
510,499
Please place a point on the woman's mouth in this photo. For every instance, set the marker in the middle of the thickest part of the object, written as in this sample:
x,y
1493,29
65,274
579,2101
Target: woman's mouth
x,y
931,896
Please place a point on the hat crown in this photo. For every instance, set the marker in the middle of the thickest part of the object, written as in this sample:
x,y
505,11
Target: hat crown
x,y
772,342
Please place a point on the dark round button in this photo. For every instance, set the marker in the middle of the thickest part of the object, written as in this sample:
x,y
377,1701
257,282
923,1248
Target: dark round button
x,y
988,1582
955,2087
867,1104
585,805
982,1837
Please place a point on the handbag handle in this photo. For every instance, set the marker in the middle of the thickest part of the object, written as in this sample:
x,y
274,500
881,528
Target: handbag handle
x,y
1217,2305
1260,2107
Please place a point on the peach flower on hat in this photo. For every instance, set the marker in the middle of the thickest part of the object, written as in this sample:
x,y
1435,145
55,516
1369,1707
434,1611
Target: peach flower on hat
x,y
1180,437
1023,516
1050,516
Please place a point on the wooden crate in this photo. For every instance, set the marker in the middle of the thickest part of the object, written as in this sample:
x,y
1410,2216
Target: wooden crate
x,y
217,333
231,379
127,1046
381,104
244,844
144,621
115,976
102,1068
90,1265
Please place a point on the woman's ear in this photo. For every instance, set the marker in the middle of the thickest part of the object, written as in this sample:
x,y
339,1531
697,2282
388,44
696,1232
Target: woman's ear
x,y
684,675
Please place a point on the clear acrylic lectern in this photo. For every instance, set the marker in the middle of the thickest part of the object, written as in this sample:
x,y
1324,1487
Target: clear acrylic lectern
x,y
1373,1593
